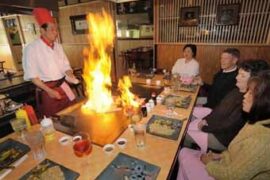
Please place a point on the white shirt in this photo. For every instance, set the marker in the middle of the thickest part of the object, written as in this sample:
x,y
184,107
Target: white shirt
x,y
41,61
190,68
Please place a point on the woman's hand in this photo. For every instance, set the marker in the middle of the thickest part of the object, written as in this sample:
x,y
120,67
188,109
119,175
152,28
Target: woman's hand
x,y
206,158
202,123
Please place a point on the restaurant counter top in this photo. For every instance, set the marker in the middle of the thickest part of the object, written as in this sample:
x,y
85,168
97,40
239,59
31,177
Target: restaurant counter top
x,y
14,82
18,90
158,151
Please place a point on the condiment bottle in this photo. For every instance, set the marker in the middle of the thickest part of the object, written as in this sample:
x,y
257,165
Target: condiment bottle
x,y
151,103
47,128
144,110
154,97
21,113
31,114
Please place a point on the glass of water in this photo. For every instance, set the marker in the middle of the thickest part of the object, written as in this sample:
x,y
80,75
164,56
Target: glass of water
x,y
19,127
139,132
170,105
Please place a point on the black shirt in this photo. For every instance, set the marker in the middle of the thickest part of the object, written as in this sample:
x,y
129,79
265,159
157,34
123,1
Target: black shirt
x,y
223,83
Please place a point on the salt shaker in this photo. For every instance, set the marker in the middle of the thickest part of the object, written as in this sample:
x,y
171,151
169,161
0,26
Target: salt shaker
x,y
151,103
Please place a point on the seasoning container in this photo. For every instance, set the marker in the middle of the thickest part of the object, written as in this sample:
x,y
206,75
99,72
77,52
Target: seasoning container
x,y
144,110
47,128
159,99
31,114
154,97
21,113
108,149
151,103
148,107
121,142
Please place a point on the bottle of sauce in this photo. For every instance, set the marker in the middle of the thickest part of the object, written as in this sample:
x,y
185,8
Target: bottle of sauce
x,y
21,113
47,128
144,110
154,97
31,114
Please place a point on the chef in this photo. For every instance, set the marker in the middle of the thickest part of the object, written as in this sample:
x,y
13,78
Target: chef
x,y
46,65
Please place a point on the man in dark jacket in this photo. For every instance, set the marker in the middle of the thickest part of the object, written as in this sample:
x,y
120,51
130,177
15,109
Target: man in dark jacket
x,y
224,80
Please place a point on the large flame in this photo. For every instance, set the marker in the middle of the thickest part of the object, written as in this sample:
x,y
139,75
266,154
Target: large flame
x,y
97,68
128,99
97,65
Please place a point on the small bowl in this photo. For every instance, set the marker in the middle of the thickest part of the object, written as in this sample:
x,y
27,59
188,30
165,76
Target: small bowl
x,y
108,148
64,140
121,142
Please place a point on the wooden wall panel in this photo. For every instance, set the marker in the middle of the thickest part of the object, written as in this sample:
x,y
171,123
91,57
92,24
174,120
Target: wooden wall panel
x,y
208,56
252,27
75,54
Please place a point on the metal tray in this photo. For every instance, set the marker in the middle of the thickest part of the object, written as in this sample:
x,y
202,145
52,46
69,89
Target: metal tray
x,y
128,167
11,151
164,127
68,173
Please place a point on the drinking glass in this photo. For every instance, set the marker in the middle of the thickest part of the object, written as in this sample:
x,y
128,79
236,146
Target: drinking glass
x,y
136,117
170,105
36,141
139,132
175,82
81,144
82,147
19,127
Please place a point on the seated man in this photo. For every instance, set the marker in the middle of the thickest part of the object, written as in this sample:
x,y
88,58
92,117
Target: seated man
x,y
217,129
224,80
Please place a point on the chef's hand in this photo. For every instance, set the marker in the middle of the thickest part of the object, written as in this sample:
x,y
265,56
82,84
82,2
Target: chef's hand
x,y
202,123
54,94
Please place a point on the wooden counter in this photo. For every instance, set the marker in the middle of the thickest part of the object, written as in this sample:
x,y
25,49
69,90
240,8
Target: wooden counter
x,y
158,151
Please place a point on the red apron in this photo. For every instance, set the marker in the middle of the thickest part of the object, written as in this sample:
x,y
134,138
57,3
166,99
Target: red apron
x,y
49,106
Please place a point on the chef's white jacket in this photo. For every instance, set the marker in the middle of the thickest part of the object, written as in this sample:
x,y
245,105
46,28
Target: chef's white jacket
x,y
41,61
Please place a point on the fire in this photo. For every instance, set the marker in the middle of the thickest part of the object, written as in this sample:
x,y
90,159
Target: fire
x,y
128,99
97,68
97,65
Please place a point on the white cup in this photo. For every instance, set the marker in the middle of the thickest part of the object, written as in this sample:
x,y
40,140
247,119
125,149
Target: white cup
x,y
148,81
158,82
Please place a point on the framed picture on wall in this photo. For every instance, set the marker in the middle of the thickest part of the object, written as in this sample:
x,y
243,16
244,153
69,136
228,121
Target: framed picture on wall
x,y
79,24
189,16
228,14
